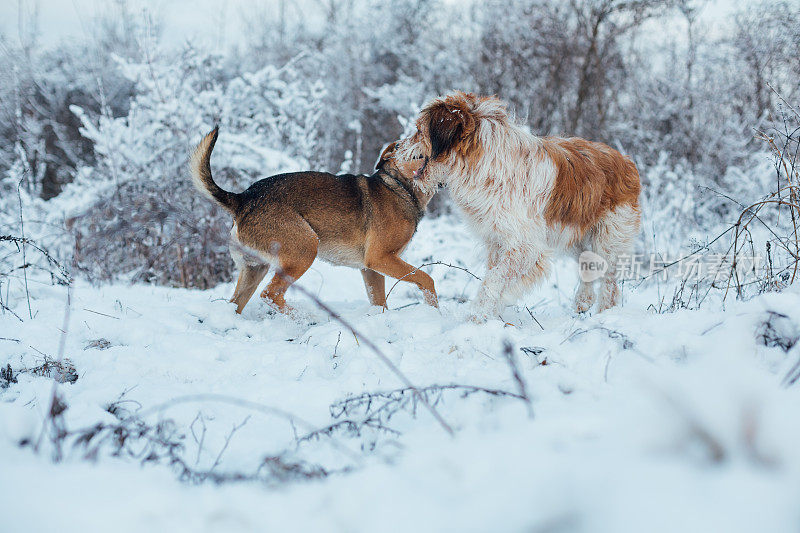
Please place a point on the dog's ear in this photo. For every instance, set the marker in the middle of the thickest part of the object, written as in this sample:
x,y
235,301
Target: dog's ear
x,y
385,155
448,124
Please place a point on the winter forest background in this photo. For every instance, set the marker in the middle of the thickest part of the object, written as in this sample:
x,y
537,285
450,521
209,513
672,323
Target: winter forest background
x,y
95,131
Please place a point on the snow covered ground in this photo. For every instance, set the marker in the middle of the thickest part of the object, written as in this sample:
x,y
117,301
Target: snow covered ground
x,y
187,417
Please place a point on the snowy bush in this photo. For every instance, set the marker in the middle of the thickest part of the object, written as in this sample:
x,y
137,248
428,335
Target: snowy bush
x,y
147,222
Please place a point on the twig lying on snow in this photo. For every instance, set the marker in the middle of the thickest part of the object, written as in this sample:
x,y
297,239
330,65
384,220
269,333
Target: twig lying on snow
x,y
533,317
6,308
199,441
355,427
380,406
792,375
508,352
627,343
247,404
134,438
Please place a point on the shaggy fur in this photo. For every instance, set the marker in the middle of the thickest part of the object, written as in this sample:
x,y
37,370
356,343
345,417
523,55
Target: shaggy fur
x,y
527,197
291,219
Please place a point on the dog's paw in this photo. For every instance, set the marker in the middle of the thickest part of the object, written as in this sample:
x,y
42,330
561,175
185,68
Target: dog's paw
x,y
583,306
478,318
584,299
431,299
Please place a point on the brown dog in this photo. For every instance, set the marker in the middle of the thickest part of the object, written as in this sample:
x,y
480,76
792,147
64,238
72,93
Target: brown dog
x,y
358,221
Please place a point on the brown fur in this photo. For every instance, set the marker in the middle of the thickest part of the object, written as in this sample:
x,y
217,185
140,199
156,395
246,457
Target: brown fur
x,y
359,221
592,180
450,126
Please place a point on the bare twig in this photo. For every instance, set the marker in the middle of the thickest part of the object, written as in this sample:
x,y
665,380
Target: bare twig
x,y
24,260
63,274
383,404
133,437
783,100
201,440
429,264
101,314
6,308
246,404
533,317
792,375
511,359
234,429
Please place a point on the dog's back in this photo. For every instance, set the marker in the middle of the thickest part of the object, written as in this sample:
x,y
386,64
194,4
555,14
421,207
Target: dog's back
x,y
334,207
591,180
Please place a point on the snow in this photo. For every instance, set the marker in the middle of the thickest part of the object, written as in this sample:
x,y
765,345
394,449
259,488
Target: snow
x,y
641,421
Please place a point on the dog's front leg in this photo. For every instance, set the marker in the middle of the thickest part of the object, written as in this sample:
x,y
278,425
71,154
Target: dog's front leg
x,y
487,303
375,284
393,266
505,269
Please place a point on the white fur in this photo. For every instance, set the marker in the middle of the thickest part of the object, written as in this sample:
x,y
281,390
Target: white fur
x,y
503,198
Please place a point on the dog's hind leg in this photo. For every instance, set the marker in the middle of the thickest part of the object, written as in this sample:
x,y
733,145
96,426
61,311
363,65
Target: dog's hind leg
x,y
249,278
375,284
585,295
250,274
613,238
296,250
283,279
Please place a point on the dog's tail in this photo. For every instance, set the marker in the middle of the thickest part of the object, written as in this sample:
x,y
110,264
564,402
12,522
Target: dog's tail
x,y
200,166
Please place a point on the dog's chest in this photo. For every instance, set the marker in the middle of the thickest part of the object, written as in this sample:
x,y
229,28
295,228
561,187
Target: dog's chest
x,y
341,254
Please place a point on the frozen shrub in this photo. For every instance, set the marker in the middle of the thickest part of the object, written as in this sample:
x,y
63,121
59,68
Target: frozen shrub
x,y
148,223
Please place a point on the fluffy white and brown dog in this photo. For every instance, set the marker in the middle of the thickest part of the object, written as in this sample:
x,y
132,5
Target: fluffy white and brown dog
x,y
527,197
